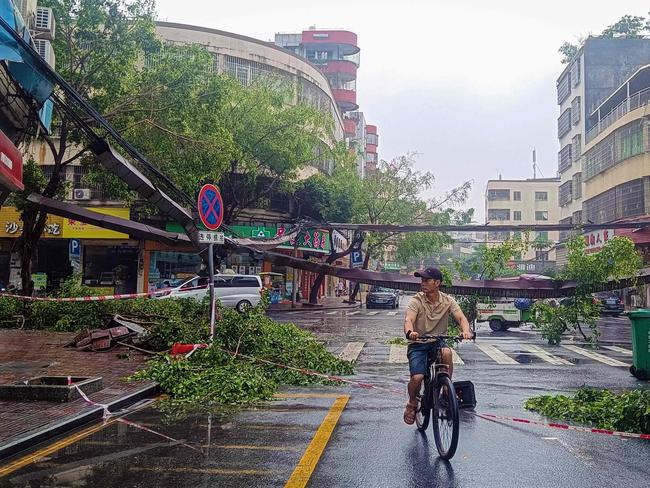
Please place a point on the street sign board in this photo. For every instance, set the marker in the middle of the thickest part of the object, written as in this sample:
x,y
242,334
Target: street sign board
x,y
211,237
74,249
210,206
356,257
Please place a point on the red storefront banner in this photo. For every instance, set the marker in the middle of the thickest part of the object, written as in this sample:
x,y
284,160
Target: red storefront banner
x,y
11,165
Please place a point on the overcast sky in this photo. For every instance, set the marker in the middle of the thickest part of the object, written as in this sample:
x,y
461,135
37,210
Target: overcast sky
x,y
468,84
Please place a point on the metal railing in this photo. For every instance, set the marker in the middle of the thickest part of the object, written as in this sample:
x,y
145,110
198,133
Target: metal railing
x,y
633,102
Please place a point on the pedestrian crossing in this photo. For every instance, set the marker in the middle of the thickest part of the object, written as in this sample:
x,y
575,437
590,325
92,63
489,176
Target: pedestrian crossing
x,y
504,353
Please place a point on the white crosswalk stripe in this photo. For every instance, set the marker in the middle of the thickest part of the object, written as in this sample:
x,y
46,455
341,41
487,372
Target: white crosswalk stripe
x,y
351,351
457,358
372,313
595,356
392,313
353,313
622,350
332,313
498,356
542,354
397,354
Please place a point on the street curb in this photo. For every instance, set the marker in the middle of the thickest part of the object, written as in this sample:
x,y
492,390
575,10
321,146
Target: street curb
x,y
298,309
34,437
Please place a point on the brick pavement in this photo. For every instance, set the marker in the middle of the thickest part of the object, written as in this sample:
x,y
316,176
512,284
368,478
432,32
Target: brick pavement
x,y
24,354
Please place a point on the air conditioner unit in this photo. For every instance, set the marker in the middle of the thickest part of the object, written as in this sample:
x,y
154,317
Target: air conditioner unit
x,y
45,49
81,194
44,23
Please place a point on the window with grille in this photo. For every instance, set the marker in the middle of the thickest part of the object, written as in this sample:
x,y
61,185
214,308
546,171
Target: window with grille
x,y
498,214
498,235
541,255
541,196
626,200
565,158
575,110
517,196
575,73
565,193
564,234
625,143
564,87
541,215
564,123
577,185
498,195
576,146
576,218
516,215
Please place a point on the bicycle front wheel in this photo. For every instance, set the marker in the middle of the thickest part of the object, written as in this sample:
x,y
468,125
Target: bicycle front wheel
x,y
446,424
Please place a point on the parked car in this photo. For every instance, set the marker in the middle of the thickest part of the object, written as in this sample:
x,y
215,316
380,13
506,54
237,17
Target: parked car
x,y
233,291
378,296
611,305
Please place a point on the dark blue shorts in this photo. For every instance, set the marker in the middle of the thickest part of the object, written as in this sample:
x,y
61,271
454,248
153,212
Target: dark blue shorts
x,y
417,355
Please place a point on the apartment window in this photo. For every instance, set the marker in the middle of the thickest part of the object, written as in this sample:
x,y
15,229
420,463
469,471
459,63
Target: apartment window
x,y
498,195
564,87
576,218
542,236
541,196
575,110
499,214
622,144
498,236
517,196
541,255
564,123
516,215
576,150
626,200
577,185
565,193
575,73
541,215
565,158
564,234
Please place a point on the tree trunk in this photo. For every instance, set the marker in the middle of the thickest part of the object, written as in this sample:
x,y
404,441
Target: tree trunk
x,y
366,261
33,225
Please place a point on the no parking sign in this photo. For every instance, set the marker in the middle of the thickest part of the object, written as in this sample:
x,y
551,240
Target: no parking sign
x,y
210,207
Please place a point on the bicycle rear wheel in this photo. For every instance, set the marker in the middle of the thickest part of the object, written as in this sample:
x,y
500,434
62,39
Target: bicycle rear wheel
x,y
423,412
446,424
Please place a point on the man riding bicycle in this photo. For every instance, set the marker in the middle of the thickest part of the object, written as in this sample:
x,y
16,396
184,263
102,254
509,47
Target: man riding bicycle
x,y
427,314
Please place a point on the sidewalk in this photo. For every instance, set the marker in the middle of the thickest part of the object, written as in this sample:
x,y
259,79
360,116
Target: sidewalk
x,y
325,303
25,354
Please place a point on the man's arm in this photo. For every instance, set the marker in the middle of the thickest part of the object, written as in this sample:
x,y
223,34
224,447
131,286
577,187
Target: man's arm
x,y
409,324
464,324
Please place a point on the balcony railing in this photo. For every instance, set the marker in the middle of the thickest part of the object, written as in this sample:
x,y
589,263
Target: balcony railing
x,y
634,101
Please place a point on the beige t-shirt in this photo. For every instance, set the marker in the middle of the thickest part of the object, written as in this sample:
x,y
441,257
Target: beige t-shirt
x,y
431,318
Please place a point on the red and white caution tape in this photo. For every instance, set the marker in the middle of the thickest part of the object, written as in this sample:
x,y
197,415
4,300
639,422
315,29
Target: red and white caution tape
x,y
147,429
564,426
106,414
100,298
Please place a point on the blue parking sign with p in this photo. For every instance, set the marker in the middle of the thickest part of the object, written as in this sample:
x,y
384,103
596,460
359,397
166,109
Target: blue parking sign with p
x,y
357,259
75,248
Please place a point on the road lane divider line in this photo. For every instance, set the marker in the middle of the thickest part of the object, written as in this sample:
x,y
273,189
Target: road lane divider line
x,y
595,356
622,350
397,354
549,358
457,359
498,356
351,351
303,471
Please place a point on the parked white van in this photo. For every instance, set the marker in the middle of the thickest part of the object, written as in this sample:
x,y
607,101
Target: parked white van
x,y
233,291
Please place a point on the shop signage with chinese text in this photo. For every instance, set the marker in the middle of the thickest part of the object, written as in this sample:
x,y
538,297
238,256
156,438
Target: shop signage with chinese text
x,y
596,239
12,226
79,230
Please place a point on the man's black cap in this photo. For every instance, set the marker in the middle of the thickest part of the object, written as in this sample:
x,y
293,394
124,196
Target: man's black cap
x,y
429,273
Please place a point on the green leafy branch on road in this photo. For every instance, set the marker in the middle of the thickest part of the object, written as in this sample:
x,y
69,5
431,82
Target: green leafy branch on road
x,y
625,412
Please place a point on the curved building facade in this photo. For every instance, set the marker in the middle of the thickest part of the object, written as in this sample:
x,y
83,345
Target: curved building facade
x,y
246,59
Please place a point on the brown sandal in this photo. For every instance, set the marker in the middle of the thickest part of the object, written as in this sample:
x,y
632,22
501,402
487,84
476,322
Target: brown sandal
x,y
409,413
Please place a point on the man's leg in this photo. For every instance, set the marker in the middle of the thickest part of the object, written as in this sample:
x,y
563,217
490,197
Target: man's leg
x,y
447,358
414,388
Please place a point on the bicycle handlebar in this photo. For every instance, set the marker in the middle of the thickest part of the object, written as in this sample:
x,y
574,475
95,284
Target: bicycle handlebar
x,y
430,338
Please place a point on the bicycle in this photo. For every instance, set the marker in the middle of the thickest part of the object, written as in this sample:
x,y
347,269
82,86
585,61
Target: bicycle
x,y
434,398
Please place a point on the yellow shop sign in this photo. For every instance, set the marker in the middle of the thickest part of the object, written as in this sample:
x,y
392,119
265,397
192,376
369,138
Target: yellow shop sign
x,y
74,229
12,226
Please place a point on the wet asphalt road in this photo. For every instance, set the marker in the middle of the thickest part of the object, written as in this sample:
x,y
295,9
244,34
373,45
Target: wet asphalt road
x,y
370,446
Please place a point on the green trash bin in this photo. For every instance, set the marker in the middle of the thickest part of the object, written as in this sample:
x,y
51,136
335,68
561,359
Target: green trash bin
x,y
640,344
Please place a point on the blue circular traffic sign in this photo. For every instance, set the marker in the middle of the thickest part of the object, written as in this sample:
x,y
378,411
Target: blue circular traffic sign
x,y
210,207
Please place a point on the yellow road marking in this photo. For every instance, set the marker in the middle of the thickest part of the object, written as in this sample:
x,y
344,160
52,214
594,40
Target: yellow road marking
x,y
231,472
46,451
309,460
252,448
